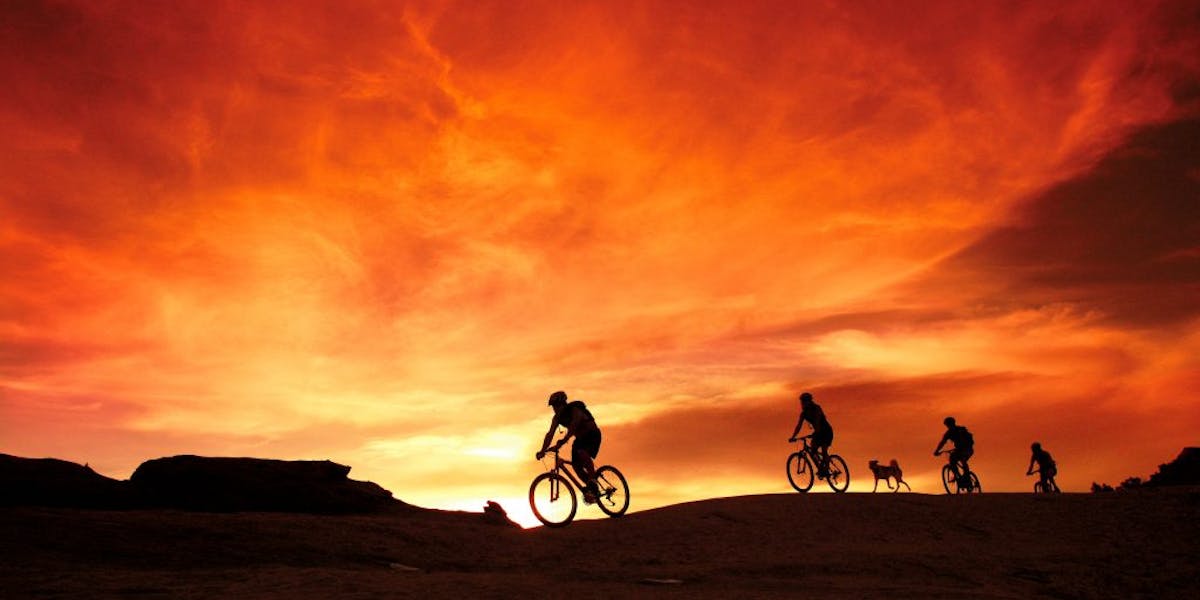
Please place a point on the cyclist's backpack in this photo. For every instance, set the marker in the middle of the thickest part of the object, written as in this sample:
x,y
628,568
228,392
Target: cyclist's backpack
x,y
565,417
579,405
967,439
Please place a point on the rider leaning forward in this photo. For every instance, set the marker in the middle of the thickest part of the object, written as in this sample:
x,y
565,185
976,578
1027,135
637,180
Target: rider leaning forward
x,y
578,421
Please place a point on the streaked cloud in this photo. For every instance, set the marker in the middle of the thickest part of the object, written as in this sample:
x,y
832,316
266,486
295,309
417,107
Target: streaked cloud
x,y
335,230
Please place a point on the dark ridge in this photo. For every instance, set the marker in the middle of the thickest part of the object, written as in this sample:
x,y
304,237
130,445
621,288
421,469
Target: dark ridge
x,y
256,484
195,483
60,484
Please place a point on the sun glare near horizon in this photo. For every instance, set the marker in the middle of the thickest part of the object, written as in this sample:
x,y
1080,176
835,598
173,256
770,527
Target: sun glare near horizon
x,y
384,233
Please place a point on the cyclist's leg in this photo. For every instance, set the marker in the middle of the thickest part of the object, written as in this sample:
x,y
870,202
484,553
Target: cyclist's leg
x,y
966,468
821,441
958,463
583,452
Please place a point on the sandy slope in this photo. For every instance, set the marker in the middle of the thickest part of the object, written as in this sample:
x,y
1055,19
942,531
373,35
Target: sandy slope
x,y
821,545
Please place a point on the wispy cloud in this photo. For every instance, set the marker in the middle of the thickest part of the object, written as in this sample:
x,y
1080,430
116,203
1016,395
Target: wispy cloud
x,y
330,230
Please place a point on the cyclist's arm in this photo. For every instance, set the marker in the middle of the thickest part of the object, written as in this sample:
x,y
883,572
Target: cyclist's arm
x,y
1029,471
945,438
799,424
549,435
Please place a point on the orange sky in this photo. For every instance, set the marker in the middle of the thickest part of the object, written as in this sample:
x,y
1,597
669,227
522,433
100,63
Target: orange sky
x,y
384,234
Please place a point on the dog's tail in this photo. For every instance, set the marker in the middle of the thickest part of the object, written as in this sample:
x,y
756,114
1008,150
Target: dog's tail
x,y
894,463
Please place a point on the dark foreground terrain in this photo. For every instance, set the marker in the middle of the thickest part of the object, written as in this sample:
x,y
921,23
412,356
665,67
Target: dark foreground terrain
x,y
1117,545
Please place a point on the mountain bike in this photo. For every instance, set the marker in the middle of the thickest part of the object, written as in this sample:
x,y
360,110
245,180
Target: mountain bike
x,y
802,470
1049,486
552,494
968,484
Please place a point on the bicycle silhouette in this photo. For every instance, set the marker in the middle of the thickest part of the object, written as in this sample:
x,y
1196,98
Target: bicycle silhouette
x,y
552,494
801,469
968,483
1049,486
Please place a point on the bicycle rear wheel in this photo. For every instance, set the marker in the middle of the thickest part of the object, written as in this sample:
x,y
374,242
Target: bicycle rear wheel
x,y
948,480
614,491
839,474
976,488
800,472
552,499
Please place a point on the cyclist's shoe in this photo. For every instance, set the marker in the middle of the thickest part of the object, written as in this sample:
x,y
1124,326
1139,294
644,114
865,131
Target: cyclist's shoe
x,y
591,493
823,473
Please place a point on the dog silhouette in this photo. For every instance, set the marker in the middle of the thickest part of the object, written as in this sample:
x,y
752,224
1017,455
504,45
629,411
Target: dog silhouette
x,y
884,472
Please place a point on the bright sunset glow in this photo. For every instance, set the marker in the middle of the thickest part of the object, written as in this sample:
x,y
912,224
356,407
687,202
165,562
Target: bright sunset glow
x,y
384,233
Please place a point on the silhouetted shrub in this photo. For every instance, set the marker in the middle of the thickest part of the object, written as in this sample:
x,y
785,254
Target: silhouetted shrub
x,y
1184,470
1132,483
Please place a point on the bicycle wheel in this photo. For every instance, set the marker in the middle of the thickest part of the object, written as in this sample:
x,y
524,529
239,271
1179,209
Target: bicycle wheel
x,y
1038,488
839,474
552,499
948,480
800,472
614,491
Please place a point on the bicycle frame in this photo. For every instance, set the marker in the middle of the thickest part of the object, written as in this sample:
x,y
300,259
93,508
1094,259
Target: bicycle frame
x,y
559,464
962,473
810,451
956,464
1044,481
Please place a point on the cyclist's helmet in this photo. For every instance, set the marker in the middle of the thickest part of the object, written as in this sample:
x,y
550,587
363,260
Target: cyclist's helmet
x,y
1036,446
806,397
559,397
949,421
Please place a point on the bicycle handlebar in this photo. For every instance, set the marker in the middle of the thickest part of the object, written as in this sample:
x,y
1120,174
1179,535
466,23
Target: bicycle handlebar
x,y
558,460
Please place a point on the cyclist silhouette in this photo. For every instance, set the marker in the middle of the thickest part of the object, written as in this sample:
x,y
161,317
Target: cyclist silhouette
x,y
964,447
578,421
822,435
1047,468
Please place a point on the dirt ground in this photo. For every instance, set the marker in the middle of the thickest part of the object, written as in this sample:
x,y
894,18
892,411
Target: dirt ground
x,y
1116,545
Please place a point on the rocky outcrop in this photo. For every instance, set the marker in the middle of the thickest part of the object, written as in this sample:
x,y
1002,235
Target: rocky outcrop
x,y
494,514
256,484
195,483
58,483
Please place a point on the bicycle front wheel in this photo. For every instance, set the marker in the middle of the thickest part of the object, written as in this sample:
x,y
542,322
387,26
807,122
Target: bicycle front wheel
x,y
800,472
948,480
839,474
614,491
552,499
